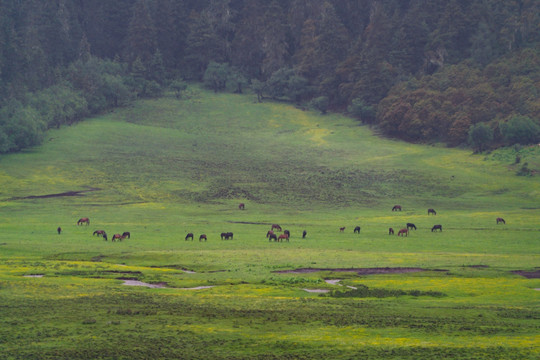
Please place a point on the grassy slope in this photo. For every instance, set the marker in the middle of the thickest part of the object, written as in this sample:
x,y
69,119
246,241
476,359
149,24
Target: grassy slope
x,y
165,167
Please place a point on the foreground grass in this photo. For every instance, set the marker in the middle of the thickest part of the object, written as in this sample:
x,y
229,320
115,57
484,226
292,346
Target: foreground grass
x,y
163,168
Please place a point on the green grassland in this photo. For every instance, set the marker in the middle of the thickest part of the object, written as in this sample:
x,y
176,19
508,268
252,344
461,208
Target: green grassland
x,y
165,167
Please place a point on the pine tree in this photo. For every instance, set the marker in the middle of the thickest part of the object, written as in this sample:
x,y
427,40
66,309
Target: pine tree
x,y
274,44
141,37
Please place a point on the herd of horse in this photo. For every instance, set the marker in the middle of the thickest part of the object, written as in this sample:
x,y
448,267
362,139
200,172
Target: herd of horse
x,y
271,235
102,233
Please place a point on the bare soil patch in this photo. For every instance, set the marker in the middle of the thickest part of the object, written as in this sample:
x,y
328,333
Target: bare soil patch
x,y
359,271
67,193
528,274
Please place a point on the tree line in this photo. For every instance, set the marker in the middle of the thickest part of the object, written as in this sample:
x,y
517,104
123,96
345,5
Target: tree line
x,y
454,71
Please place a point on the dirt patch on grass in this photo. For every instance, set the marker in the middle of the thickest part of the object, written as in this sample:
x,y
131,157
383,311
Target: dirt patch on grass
x,y
359,271
248,222
528,274
67,193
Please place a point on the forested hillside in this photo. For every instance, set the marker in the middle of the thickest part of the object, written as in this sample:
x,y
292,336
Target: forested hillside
x,y
455,71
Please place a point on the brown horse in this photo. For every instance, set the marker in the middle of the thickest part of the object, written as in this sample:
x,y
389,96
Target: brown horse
x,y
342,229
396,208
283,237
202,237
270,232
272,237
59,230
226,236
357,230
436,227
276,227
431,211
189,235
403,231
99,232
390,231
287,232
241,206
304,233
500,220
83,221
126,234
118,237
411,226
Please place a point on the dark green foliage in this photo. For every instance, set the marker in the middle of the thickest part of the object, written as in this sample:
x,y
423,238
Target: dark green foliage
x,y
480,136
320,103
520,130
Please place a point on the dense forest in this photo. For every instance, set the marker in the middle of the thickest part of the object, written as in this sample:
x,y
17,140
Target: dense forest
x,y
452,71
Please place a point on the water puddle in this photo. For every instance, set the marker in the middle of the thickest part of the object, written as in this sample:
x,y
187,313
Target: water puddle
x,y
34,276
140,283
318,291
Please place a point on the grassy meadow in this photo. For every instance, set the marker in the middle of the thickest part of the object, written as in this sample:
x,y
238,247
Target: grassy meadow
x,y
165,167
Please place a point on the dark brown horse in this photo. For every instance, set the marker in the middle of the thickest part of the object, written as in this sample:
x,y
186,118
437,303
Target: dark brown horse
x,y
411,226
436,227
403,231
272,237
283,237
500,221
126,234
83,221
396,208
241,206
342,229
189,236
270,232
390,231
59,230
202,237
304,233
287,232
276,227
118,237
357,230
227,236
431,211
99,232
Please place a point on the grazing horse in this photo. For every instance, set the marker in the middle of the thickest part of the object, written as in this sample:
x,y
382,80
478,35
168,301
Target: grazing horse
x,y
105,236
202,237
270,232
99,232
117,236
304,233
241,206
272,237
59,230
431,211
287,232
357,229
390,231
500,220
226,236
342,229
126,234
276,227
83,221
436,227
283,237
396,208
411,226
403,231
189,235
